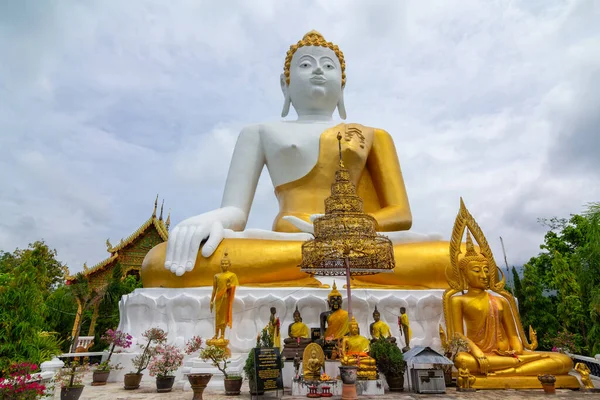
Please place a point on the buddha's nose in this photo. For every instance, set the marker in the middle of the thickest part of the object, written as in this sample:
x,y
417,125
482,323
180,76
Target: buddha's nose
x,y
318,70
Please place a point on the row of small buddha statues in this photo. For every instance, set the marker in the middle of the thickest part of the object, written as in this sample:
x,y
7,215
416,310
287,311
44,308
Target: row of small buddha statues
x,y
339,338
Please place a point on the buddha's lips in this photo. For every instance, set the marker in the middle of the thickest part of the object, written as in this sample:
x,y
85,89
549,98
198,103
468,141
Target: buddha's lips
x,y
318,79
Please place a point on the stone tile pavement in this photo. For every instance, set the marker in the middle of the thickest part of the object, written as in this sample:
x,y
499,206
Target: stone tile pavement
x,y
115,391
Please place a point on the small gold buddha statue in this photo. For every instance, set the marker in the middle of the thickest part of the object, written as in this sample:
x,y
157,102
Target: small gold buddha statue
x,y
584,372
298,336
221,301
487,318
313,360
354,350
464,379
273,327
380,329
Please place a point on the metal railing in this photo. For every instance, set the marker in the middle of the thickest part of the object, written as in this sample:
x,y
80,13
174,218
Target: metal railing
x,y
592,363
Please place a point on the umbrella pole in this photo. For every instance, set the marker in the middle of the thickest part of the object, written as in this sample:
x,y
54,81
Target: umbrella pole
x,y
348,291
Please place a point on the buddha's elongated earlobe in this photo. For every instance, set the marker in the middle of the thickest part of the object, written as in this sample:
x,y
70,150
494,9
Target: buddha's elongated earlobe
x,y
286,95
340,106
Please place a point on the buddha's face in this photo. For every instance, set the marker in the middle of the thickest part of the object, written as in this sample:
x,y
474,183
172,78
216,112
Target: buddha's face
x,y
376,317
297,317
224,267
335,303
313,354
478,276
354,329
315,79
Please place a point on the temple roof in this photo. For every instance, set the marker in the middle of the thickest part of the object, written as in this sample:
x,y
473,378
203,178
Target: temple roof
x,y
161,226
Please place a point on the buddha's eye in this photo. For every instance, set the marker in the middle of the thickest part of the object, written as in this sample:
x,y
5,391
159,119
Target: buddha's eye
x,y
305,64
329,66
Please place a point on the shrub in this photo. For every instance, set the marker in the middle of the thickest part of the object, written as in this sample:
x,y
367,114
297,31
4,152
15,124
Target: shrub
x,y
388,357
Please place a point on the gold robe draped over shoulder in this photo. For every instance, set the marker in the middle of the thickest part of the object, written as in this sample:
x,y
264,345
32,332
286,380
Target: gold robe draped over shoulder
x,y
370,156
224,297
299,330
337,324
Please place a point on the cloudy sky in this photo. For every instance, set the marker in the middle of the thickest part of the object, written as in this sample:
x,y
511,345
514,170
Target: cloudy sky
x,y
104,104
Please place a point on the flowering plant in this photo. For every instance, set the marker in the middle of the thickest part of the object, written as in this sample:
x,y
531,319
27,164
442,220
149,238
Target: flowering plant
x,y
217,356
21,383
72,375
193,345
165,360
114,339
153,336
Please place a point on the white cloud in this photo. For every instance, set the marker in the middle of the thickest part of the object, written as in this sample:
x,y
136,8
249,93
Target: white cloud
x,y
105,104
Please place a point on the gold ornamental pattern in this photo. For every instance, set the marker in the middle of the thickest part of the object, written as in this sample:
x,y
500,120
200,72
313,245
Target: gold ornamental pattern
x,y
346,232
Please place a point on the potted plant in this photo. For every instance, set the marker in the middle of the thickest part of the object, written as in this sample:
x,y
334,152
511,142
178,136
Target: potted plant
x,y
218,357
21,383
390,362
165,360
140,362
198,382
71,380
114,339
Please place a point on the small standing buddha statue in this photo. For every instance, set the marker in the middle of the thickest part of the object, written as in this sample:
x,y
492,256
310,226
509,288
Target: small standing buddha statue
x,y
355,351
221,301
379,329
334,322
487,318
298,336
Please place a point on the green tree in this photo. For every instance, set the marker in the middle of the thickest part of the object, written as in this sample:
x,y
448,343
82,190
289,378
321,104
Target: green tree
x,y
26,278
62,308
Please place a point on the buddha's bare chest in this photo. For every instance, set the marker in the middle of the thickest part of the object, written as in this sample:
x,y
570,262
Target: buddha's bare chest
x,y
291,143
477,310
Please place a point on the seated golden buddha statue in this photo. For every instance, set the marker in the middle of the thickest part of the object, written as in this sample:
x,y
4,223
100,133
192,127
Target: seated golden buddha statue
x,y
355,351
298,336
486,316
312,362
301,158
380,329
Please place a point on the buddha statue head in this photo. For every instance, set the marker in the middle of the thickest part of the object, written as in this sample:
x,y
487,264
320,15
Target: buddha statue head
x,y
354,329
313,78
474,268
334,299
376,315
297,315
225,262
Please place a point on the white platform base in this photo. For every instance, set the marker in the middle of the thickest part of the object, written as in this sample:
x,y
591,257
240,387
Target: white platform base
x,y
183,313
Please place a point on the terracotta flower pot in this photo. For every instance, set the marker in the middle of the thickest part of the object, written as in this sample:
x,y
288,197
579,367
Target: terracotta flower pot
x,y
199,383
396,383
132,381
233,386
548,383
164,383
71,393
100,377
348,374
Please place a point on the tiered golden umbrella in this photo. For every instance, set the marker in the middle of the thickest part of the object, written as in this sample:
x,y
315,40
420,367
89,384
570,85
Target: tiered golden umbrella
x,y
346,242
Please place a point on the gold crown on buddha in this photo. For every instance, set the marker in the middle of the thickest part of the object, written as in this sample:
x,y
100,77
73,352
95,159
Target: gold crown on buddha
x,y
334,292
353,322
313,38
471,254
225,260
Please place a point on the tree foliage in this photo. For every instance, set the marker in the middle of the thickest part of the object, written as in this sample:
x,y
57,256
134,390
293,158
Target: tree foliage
x,y
26,279
559,293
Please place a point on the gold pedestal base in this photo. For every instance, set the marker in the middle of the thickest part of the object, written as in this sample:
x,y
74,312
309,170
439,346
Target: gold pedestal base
x,y
522,382
221,343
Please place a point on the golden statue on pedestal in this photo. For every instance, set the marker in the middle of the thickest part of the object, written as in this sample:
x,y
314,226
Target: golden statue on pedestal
x,y
497,354
313,360
404,325
464,379
584,371
298,336
355,351
221,300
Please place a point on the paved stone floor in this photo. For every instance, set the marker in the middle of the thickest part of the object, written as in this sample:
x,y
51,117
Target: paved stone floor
x,y
115,391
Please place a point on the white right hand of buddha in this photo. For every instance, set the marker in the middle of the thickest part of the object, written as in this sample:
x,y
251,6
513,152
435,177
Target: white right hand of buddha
x,y
185,239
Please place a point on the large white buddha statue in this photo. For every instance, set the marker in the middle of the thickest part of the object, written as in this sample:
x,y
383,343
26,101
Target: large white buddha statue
x,y
301,157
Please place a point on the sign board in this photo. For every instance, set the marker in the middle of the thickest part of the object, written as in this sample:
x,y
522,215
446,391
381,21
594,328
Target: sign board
x,y
315,334
267,367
